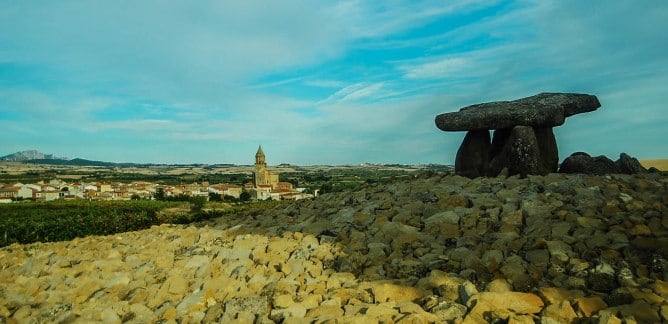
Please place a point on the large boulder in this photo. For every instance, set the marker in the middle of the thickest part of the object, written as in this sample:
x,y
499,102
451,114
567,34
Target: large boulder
x,y
541,110
580,162
629,165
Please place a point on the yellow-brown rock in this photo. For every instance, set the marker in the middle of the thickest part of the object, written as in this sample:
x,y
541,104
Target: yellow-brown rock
x,y
429,249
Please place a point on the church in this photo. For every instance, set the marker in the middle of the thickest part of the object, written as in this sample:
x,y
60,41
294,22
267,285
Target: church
x,y
266,185
262,177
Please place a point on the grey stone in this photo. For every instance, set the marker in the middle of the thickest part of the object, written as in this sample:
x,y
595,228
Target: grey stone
x,y
581,162
541,110
258,305
492,260
547,144
472,156
449,311
467,290
602,278
513,267
539,258
629,165
559,251
499,140
520,154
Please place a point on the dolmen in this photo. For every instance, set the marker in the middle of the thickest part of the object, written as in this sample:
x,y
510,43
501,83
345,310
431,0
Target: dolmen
x,y
523,141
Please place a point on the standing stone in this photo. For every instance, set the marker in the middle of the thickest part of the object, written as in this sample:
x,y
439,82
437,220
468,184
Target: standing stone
x,y
472,156
520,154
499,140
547,144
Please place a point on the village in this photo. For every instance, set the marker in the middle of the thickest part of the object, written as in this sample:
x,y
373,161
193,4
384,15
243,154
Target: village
x,y
265,186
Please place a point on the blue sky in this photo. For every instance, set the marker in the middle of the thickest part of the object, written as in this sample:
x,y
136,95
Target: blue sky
x,y
320,82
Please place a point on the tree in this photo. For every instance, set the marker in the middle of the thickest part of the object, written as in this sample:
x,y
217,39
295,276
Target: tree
x,y
245,196
197,203
159,194
326,188
214,197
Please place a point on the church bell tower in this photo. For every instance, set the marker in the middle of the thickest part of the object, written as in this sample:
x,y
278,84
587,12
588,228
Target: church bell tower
x,y
259,158
260,175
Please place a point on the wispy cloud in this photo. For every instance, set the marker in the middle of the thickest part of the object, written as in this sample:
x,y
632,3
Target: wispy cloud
x,y
353,92
343,81
325,83
447,67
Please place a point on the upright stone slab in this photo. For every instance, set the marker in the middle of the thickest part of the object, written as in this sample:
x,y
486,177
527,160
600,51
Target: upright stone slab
x,y
472,156
499,140
547,144
520,154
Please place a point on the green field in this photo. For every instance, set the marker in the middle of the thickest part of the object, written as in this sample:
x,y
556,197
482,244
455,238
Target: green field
x,y
30,222
65,220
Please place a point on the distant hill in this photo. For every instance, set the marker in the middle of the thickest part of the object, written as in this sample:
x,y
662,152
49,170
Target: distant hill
x,y
76,162
24,156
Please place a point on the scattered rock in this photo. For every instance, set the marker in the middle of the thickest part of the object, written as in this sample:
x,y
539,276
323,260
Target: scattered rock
x,y
555,248
602,278
561,312
501,305
589,306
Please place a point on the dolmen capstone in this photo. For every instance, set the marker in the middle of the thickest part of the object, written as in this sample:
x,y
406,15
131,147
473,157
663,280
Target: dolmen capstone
x,y
523,141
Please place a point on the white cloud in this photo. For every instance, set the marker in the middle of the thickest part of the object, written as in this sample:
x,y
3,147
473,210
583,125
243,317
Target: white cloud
x,y
200,67
353,92
325,83
447,67
371,19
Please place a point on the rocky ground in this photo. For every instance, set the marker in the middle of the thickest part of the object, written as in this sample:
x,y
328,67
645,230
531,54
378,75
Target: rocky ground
x,y
435,248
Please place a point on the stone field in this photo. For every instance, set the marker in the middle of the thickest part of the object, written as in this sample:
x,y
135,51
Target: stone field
x,y
435,248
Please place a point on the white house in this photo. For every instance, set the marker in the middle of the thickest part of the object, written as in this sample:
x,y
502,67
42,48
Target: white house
x,y
25,192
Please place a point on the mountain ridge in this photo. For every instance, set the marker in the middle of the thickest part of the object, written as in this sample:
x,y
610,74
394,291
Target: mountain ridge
x,y
27,155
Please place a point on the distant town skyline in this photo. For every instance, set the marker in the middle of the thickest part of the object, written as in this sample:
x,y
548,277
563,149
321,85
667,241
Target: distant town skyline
x,y
327,82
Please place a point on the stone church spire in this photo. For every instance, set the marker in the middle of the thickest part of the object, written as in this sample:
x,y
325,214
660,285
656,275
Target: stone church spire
x,y
259,157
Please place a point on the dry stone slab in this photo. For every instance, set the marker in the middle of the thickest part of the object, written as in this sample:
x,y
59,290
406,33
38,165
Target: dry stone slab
x,y
541,110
